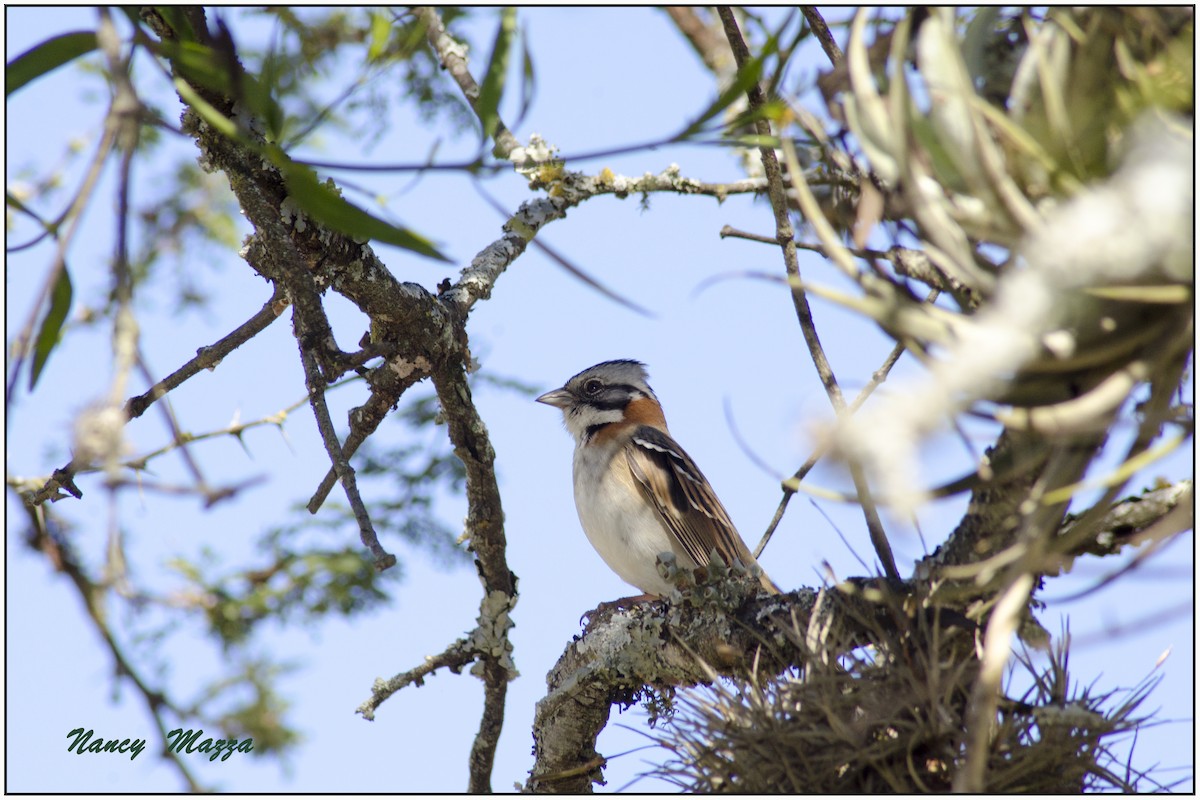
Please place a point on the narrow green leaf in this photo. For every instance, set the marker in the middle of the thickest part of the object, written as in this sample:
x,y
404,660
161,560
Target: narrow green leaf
x,y
46,57
381,29
528,80
208,68
178,22
48,335
747,76
492,90
317,200
325,205
199,64
207,112
752,140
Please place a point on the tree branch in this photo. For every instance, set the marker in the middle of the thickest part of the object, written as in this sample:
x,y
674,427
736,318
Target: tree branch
x,y
212,355
316,398
674,645
454,658
453,58
816,23
485,533
705,39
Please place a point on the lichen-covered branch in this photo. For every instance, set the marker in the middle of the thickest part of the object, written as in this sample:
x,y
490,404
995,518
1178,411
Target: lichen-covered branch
x,y
655,645
453,56
453,658
643,646
485,533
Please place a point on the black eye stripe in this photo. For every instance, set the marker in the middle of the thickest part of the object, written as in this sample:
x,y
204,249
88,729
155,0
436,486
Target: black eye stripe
x,y
608,402
615,396
607,389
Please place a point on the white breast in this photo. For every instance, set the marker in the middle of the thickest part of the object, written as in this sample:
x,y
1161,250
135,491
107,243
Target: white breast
x,y
623,528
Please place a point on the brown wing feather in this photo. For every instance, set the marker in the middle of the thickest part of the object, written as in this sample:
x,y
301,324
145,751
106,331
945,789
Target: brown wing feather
x,y
689,509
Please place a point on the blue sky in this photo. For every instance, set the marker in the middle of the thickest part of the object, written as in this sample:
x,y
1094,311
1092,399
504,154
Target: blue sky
x,y
736,342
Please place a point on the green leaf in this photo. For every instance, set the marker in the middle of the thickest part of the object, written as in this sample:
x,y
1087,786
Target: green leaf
x,y
746,77
317,200
207,112
381,28
46,57
325,205
48,334
752,140
199,64
178,21
528,80
492,90
209,68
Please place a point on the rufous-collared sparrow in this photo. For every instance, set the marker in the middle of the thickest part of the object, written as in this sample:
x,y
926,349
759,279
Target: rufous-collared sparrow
x,y
637,492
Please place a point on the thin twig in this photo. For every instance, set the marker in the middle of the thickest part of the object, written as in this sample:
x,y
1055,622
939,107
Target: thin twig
x,y
176,433
74,212
451,54
817,24
877,378
209,357
784,236
316,398
454,658
485,532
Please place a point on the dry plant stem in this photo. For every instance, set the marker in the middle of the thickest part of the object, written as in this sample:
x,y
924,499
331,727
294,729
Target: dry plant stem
x,y
981,710
785,234
817,23
316,398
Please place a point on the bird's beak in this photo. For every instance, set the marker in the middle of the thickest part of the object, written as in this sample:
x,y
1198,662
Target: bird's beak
x,y
559,398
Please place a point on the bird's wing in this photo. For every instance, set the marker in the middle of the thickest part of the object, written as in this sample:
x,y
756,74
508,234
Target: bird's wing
x,y
689,509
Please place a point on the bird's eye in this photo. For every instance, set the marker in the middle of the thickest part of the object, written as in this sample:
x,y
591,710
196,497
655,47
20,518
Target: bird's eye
x,y
592,387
